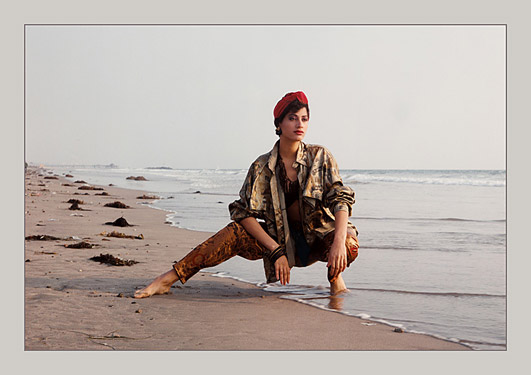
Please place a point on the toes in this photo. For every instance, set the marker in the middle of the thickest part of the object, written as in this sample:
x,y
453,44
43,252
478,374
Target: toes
x,y
141,294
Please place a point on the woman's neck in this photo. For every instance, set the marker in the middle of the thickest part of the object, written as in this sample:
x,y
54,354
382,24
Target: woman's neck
x,y
288,150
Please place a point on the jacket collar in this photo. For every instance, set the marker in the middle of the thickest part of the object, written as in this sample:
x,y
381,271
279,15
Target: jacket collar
x,y
273,156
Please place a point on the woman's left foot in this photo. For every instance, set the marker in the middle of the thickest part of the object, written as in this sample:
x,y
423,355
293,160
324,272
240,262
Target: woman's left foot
x,y
161,285
338,286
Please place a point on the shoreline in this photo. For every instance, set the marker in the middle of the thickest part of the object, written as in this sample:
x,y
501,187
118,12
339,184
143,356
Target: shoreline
x,y
73,303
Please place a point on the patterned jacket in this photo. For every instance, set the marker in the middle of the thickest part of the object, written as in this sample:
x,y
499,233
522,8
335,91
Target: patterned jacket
x,y
321,195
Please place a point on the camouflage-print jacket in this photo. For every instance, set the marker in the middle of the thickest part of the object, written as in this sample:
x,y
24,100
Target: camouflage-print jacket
x,y
321,195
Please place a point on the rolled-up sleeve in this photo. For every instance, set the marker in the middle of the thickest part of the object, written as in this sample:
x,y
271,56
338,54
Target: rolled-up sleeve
x,y
241,208
337,197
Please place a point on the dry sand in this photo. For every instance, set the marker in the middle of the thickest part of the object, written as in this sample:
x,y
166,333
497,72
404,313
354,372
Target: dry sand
x,y
73,303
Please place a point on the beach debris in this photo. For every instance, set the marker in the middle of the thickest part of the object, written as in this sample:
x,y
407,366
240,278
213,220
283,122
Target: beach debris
x,y
81,245
369,324
78,215
102,193
46,252
41,185
136,178
76,193
139,311
80,182
68,175
144,196
112,260
120,222
121,235
67,185
170,197
75,206
42,237
116,204
75,201
120,295
111,184
35,194
398,330
88,187
50,178
27,260
40,225
197,192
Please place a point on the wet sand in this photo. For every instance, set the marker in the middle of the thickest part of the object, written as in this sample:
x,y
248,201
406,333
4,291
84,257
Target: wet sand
x,y
73,303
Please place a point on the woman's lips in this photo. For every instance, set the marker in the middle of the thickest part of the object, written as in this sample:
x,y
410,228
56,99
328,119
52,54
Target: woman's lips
x,y
299,132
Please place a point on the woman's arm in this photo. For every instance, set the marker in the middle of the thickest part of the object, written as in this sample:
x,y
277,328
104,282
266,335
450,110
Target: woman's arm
x,y
282,269
254,229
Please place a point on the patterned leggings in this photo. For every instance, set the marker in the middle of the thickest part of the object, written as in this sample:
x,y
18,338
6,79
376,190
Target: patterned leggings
x,y
234,240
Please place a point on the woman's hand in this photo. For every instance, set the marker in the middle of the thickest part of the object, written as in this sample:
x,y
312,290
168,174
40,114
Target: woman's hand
x,y
282,270
337,258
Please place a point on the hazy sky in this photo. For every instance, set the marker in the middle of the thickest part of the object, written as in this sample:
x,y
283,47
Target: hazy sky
x,y
381,97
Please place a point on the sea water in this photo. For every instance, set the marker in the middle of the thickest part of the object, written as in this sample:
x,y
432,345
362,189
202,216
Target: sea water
x,y
432,255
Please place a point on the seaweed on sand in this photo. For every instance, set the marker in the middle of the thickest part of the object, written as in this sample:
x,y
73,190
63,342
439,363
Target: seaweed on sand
x,y
120,222
116,204
102,193
122,235
75,201
136,178
80,182
87,187
112,260
144,196
50,178
42,237
81,245
75,206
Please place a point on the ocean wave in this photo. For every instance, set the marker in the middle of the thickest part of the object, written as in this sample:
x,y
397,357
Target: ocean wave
x,y
441,294
471,178
429,219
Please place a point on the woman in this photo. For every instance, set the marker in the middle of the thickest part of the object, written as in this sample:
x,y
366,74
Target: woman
x,y
297,191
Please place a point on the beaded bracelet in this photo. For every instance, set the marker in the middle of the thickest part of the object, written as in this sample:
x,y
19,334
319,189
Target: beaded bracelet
x,y
277,253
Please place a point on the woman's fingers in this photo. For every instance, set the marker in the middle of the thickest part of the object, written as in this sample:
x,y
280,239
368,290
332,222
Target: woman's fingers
x,y
337,265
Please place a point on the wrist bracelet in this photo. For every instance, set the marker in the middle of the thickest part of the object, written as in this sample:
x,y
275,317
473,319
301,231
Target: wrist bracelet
x,y
277,253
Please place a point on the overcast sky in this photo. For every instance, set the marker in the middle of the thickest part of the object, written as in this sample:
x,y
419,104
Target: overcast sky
x,y
381,97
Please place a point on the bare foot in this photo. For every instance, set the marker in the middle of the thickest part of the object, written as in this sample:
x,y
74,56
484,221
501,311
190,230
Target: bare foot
x,y
338,286
161,285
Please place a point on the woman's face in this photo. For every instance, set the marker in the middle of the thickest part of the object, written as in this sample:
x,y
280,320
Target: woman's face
x,y
294,126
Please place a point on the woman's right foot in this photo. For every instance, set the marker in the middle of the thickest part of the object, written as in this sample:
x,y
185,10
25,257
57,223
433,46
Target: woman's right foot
x,y
161,285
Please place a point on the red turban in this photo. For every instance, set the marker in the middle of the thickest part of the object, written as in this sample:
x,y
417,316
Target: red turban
x,y
286,100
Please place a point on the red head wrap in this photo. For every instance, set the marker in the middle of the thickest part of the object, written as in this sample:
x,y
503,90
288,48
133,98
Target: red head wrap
x,y
286,100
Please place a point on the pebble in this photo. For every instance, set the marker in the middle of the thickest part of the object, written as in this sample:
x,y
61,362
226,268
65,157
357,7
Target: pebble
x,y
398,330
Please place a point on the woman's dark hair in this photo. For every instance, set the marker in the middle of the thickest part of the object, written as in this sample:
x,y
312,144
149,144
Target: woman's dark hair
x,y
292,107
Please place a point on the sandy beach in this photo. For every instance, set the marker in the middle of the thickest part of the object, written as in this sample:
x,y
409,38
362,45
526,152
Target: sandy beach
x,y
74,303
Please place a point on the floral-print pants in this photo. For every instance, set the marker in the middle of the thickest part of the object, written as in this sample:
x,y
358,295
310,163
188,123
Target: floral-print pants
x,y
234,240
